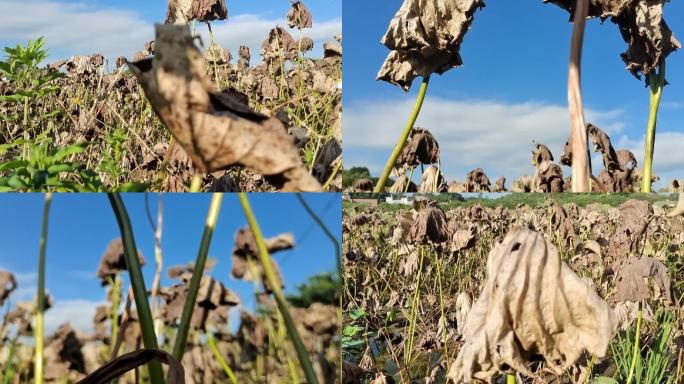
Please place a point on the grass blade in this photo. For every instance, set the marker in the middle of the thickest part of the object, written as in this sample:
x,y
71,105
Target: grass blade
x,y
184,327
40,312
273,282
137,282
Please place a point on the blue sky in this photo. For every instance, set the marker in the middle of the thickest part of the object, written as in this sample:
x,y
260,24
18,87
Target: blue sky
x,y
511,90
81,226
120,28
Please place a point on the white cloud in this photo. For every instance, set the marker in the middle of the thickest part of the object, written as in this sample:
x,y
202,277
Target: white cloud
x,y
82,29
668,154
494,135
79,313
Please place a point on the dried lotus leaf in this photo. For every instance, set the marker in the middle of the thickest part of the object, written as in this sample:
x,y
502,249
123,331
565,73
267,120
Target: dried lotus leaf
x,y
215,129
531,303
299,16
425,37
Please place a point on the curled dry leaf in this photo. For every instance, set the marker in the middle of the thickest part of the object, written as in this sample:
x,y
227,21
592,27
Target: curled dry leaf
x,y
182,11
7,284
432,181
113,261
131,360
299,16
215,129
649,39
63,356
363,185
548,177
531,303
477,181
245,249
279,44
403,184
421,148
602,144
633,221
639,279
540,154
425,36
677,211
500,185
430,224
305,44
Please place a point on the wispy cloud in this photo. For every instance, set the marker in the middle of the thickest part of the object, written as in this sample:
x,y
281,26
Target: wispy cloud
x,y
79,313
497,136
79,28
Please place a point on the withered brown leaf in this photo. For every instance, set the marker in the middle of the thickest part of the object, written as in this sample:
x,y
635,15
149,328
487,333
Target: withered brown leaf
x,y
299,16
215,129
425,36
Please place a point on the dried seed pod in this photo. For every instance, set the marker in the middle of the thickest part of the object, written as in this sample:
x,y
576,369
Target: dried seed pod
x,y
425,36
299,16
305,44
216,129
531,303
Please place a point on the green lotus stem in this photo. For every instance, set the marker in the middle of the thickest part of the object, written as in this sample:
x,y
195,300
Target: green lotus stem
x,y
273,282
209,225
137,283
219,358
380,186
657,82
38,374
636,353
115,292
510,379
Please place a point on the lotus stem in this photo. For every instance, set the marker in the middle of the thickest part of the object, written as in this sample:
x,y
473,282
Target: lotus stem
x,y
380,186
637,351
657,82
137,283
209,225
273,282
38,374
219,358
581,170
510,379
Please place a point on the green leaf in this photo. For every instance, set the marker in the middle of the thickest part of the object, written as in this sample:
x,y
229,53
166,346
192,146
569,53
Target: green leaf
x,y
17,182
13,164
351,330
355,314
68,151
134,187
59,168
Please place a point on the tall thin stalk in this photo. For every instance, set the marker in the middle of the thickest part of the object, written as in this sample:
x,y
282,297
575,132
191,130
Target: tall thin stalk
x,y
220,359
380,186
581,167
38,374
273,282
637,352
209,225
656,82
137,283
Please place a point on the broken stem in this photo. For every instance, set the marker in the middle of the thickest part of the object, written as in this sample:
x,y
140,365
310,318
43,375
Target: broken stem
x,y
274,284
578,130
657,82
380,186
40,312
209,225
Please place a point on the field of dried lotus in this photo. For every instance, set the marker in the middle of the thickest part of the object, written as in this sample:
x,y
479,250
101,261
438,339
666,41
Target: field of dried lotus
x,y
258,326
525,288
259,121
